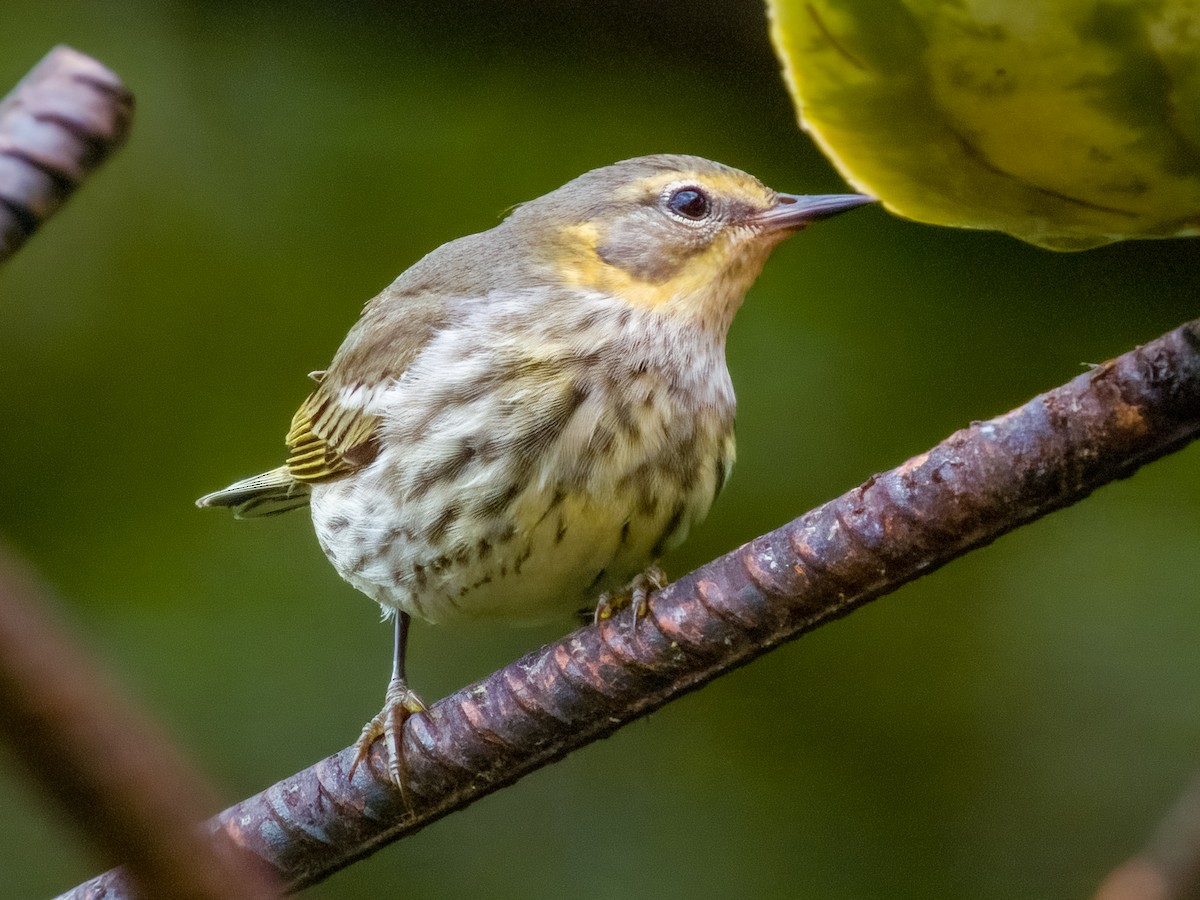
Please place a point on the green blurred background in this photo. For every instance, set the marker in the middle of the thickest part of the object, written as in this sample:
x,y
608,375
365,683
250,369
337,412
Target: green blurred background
x,y
1010,727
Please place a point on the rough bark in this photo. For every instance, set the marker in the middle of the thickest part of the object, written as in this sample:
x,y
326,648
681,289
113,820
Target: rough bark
x,y
975,486
56,126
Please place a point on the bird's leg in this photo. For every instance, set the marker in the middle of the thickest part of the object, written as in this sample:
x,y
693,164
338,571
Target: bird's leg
x,y
398,704
634,594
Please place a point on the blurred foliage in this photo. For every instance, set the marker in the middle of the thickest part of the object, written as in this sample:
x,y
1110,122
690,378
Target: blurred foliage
x,y
1069,124
1009,727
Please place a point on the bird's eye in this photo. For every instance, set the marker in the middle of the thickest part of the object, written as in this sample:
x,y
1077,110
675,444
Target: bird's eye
x,y
689,202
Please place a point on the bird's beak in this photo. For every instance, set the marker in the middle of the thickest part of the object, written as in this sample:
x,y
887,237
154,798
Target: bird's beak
x,y
793,211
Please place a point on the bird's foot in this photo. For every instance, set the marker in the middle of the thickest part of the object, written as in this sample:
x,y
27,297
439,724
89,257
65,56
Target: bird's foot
x,y
635,594
399,703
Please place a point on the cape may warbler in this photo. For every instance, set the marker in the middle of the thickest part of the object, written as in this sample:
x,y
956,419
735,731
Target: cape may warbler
x,y
528,418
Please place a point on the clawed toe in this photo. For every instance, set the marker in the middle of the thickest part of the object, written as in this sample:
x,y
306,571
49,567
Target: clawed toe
x,y
635,594
399,703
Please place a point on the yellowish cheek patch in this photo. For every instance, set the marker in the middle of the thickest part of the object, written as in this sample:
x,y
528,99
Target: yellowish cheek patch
x,y
583,267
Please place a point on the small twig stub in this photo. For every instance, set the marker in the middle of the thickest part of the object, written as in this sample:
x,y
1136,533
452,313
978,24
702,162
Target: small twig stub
x,y
61,121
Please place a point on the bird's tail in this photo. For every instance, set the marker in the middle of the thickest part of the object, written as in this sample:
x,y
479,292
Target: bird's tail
x,y
267,494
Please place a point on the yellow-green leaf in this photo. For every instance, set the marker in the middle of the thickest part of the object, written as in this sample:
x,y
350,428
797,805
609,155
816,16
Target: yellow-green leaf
x,y
1067,123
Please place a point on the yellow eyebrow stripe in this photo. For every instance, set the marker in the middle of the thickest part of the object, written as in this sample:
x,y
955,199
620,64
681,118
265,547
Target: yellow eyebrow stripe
x,y
728,184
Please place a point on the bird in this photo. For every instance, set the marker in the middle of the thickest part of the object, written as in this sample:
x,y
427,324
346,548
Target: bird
x,y
528,418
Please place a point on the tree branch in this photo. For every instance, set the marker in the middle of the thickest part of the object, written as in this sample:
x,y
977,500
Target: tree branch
x,y
117,777
58,124
113,773
976,485
1168,868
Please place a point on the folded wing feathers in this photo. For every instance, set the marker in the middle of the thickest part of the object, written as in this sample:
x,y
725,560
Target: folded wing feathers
x,y
327,438
323,434
262,495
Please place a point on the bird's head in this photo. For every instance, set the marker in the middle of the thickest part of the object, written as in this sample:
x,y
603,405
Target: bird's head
x,y
679,233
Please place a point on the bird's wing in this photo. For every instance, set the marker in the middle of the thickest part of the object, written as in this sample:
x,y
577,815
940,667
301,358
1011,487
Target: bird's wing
x,y
336,430
330,436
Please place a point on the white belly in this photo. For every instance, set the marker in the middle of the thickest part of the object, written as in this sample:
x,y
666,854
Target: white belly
x,y
519,485
546,553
